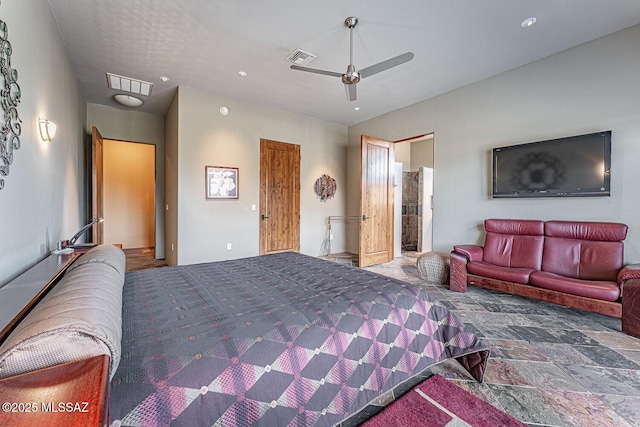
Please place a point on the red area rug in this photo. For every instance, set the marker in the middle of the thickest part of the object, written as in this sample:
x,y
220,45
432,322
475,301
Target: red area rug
x,y
439,403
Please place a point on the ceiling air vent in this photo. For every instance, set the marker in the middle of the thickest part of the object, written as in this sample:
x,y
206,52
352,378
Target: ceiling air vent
x,y
127,84
301,57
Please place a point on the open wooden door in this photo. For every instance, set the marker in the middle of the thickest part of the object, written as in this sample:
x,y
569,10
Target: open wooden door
x,y
377,165
97,180
279,197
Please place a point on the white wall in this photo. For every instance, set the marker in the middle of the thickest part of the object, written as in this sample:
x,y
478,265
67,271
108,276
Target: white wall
x,y
205,137
43,200
134,126
171,182
589,88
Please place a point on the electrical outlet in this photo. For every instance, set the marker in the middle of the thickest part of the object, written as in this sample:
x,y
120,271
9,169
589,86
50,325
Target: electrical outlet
x,y
228,246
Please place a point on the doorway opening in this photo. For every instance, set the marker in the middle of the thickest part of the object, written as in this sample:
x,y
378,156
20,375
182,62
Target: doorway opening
x,y
129,183
413,219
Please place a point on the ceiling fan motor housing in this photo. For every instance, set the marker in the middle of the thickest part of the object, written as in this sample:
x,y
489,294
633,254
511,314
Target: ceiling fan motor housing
x,y
351,77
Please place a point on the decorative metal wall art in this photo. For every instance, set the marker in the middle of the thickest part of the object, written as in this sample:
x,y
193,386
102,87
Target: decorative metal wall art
x,y
325,187
10,98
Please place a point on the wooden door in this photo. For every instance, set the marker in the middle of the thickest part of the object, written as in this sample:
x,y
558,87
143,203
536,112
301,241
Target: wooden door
x,y
279,197
97,193
377,165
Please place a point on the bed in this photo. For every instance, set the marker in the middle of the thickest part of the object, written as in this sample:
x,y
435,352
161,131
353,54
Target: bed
x,y
282,339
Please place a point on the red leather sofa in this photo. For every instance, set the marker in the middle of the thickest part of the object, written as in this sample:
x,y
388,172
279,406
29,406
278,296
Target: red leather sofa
x,y
571,263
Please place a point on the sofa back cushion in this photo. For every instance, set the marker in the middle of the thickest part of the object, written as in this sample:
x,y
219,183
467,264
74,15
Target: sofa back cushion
x,y
584,250
514,243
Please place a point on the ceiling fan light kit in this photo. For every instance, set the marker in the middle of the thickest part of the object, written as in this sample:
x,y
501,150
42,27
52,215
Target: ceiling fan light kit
x,y
352,76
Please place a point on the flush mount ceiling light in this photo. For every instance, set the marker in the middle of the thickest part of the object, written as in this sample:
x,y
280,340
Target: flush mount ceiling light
x,y
127,100
529,22
242,73
127,84
224,110
164,78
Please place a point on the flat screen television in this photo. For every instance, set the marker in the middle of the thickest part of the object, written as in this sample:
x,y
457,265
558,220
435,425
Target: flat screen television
x,y
574,166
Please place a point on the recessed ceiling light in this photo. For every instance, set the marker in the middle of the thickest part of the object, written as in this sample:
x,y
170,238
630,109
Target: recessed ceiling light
x,y
224,110
164,78
528,22
242,73
356,108
127,100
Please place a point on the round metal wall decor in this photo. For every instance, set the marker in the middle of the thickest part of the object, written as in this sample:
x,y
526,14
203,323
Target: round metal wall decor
x,y
10,98
325,187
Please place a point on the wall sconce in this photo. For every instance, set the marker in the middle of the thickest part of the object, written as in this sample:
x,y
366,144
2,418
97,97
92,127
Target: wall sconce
x,y
47,129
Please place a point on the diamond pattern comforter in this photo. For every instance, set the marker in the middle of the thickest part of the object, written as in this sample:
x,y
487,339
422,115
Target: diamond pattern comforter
x,y
276,340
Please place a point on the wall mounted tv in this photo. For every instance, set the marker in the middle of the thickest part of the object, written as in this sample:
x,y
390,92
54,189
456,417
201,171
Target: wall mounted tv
x,y
574,166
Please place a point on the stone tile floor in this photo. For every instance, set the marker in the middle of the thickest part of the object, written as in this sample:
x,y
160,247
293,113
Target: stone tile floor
x,y
549,365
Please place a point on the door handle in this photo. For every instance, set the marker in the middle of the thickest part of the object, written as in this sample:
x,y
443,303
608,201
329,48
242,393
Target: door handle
x,y
364,217
263,217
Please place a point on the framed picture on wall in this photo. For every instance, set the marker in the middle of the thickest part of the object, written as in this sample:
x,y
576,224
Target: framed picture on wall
x,y
221,182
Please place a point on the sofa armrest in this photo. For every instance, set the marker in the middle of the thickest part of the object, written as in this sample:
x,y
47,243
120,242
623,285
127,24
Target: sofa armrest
x,y
472,252
631,307
631,271
458,272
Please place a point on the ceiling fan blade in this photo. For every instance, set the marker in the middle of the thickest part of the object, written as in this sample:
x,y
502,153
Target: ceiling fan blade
x,y
385,65
315,70
351,92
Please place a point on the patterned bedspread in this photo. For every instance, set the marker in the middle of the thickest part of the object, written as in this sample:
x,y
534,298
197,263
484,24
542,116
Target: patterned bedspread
x,y
283,339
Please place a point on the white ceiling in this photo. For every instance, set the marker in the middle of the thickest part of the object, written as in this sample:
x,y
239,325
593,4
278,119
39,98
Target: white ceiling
x,y
204,43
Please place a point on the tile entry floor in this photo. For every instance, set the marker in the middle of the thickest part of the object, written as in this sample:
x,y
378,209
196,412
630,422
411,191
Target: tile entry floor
x,y
549,365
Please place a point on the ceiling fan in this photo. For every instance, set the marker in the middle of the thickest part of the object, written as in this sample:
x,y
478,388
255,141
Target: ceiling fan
x,y
351,77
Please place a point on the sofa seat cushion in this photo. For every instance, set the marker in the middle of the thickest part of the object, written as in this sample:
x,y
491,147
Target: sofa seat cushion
x,y
509,274
597,289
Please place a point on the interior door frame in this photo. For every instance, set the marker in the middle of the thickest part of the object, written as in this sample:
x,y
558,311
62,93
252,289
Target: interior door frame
x,y
418,139
97,185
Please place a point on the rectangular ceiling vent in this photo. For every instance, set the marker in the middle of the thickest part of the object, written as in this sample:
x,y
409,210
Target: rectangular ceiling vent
x,y
301,57
127,84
